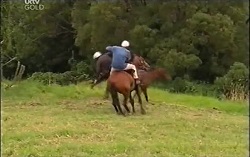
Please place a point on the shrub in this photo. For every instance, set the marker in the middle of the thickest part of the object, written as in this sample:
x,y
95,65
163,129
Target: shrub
x,y
180,85
234,85
66,78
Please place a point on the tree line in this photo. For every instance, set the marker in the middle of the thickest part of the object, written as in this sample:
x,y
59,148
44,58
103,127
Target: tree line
x,y
195,40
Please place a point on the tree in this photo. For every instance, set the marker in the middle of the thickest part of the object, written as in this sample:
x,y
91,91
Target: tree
x,y
205,31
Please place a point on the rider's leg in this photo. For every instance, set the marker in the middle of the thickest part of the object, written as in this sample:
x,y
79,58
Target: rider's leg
x,y
112,70
132,66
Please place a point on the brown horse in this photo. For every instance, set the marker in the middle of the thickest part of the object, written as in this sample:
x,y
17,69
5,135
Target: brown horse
x,y
148,77
104,71
103,66
123,82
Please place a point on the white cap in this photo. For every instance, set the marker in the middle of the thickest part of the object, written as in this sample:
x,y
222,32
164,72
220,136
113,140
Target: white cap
x,y
125,43
97,54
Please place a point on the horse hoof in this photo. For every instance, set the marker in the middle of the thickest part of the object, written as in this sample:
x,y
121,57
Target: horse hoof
x,y
130,113
123,114
105,97
143,112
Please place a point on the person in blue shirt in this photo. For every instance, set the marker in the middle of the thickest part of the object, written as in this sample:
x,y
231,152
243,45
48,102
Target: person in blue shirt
x,y
120,58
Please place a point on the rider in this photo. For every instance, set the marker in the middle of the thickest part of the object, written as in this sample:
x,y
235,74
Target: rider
x,y
120,58
97,55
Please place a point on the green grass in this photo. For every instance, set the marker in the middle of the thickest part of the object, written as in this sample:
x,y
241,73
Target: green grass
x,y
200,102
74,121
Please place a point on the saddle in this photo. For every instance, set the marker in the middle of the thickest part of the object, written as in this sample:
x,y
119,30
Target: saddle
x,y
130,71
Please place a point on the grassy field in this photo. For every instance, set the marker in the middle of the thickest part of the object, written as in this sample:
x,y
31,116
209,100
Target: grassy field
x,y
74,121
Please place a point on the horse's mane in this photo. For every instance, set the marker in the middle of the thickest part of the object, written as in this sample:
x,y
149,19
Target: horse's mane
x,y
132,56
155,68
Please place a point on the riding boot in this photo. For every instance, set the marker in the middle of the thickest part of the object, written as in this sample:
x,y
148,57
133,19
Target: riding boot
x,y
137,81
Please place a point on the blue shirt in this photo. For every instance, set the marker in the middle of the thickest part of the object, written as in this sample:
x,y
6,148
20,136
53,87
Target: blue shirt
x,y
120,56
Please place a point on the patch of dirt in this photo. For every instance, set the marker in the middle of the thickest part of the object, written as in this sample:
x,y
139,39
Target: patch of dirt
x,y
83,104
97,102
35,104
24,105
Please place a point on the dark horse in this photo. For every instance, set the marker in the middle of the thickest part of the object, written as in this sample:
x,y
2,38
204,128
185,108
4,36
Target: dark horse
x,y
103,66
123,82
148,77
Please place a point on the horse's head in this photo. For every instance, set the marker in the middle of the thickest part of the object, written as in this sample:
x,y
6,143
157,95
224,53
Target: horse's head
x,y
162,74
140,63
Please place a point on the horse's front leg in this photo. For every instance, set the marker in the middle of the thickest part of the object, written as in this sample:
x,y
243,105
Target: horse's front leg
x,y
93,84
116,103
101,77
106,94
137,90
119,107
125,103
144,91
116,109
96,81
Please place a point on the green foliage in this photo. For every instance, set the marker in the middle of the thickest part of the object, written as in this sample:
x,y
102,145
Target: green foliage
x,y
41,40
144,37
205,30
103,26
234,85
180,85
179,63
66,78
198,40
82,68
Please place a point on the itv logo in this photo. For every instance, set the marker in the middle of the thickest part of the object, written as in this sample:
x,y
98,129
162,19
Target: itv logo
x,y
33,5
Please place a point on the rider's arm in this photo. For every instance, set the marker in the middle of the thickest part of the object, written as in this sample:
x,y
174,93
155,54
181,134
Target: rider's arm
x,y
110,49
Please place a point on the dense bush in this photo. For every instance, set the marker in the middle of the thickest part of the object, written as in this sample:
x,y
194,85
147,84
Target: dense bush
x,y
65,78
200,40
180,85
234,85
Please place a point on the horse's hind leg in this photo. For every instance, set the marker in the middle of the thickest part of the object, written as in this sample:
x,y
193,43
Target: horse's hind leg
x,y
131,100
116,103
119,106
125,103
139,98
